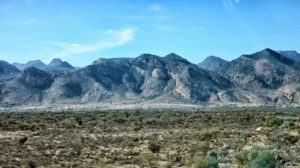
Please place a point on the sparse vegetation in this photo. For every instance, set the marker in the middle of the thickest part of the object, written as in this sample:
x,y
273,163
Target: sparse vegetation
x,y
215,138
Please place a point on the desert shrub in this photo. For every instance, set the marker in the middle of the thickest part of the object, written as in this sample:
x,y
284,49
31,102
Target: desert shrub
x,y
104,162
274,121
262,159
77,147
67,123
120,120
291,124
148,121
148,157
31,164
277,136
207,134
241,157
23,140
290,139
202,147
137,128
154,147
204,162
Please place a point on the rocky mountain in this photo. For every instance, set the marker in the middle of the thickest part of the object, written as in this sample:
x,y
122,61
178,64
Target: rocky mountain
x,y
212,63
26,88
269,75
294,55
35,63
7,71
262,78
58,66
147,78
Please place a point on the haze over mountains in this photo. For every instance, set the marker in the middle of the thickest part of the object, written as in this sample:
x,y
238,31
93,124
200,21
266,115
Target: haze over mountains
x,y
263,78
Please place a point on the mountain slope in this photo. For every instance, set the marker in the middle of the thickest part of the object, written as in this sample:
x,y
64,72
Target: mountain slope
x,y
35,63
26,88
58,66
212,63
268,74
7,71
294,55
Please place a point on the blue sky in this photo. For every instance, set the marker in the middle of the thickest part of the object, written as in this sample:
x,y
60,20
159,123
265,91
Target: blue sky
x,y
81,31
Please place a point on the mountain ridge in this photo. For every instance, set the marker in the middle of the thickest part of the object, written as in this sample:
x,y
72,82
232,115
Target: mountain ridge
x,y
262,78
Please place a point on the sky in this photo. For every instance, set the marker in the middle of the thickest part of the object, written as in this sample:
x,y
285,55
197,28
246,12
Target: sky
x,y
80,31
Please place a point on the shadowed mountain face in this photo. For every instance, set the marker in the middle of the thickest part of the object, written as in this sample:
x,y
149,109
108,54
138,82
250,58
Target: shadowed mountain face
x,y
290,54
265,77
212,63
35,63
7,71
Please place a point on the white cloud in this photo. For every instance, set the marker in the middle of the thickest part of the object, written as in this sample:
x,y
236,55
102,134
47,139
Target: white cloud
x,y
24,22
117,38
237,1
157,8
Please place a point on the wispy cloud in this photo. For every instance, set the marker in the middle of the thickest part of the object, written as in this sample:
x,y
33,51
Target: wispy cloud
x,y
24,22
117,38
157,8
237,1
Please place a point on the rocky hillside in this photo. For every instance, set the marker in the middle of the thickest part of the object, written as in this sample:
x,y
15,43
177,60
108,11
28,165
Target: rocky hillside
x,y
7,71
212,63
262,78
268,74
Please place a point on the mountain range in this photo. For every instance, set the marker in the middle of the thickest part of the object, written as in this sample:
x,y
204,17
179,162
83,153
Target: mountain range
x,y
266,77
55,66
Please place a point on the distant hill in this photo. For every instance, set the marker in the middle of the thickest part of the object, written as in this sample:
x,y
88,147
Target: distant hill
x,y
58,66
55,66
212,63
290,54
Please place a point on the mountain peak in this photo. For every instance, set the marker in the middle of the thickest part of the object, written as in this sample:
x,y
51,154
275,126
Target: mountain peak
x,y
176,57
56,61
212,63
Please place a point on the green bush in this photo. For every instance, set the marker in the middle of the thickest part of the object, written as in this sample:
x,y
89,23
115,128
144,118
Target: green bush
x,y
274,121
153,147
204,162
262,159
